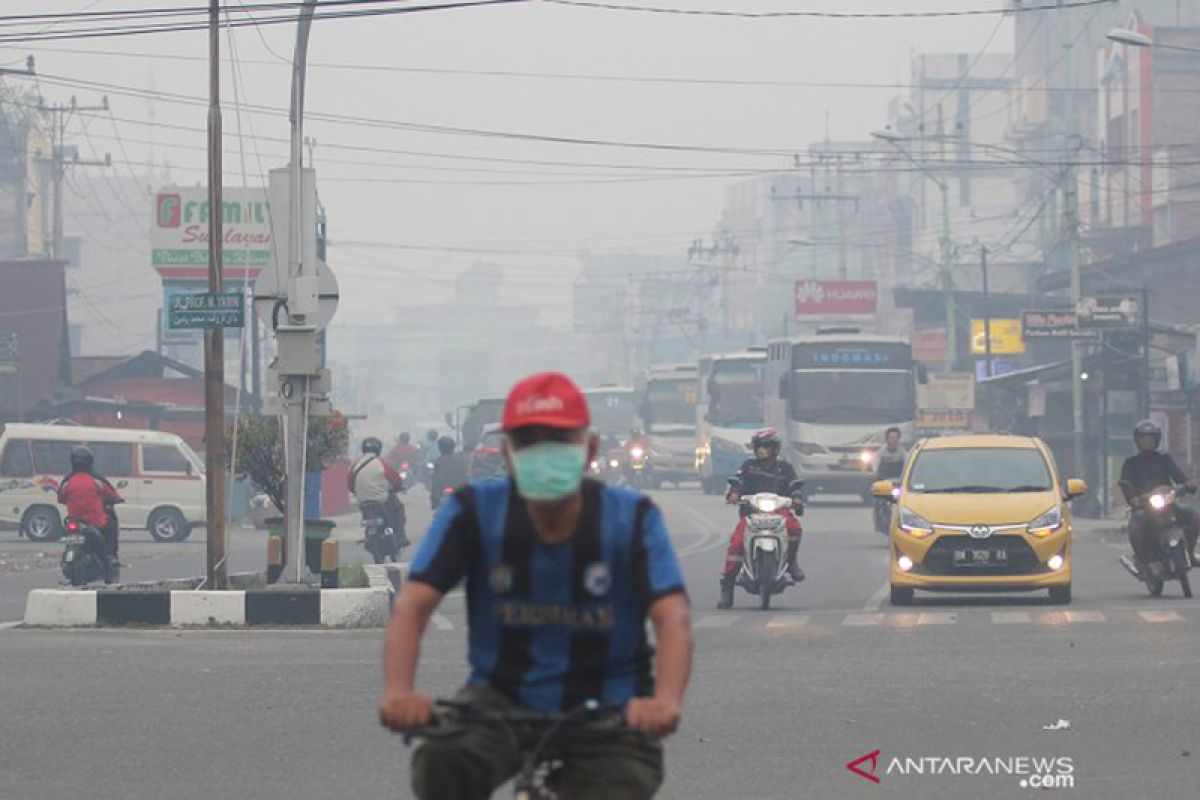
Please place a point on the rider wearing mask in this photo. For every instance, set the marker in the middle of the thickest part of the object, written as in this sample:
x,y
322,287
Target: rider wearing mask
x,y
1145,471
561,576
449,471
90,497
888,461
766,472
373,480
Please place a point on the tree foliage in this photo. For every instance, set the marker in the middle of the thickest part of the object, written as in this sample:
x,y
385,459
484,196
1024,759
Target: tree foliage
x,y
260,450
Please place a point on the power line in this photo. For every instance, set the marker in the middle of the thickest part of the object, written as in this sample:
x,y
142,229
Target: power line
x,y
698,12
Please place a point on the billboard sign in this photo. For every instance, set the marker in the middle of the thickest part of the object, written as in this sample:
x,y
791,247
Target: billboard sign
x,y
1006,337
835,299
950,390
930,346
1109,312
1052,325
206,310
179,232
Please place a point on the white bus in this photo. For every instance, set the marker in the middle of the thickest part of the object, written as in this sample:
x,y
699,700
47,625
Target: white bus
x,y
667,412
729,410
832,395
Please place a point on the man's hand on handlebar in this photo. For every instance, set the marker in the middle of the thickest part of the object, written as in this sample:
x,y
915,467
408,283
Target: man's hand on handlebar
x,y
654,716
403,711
733,498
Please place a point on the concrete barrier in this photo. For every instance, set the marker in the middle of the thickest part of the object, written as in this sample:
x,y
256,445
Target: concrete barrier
x,y
208,608
58,608
355,608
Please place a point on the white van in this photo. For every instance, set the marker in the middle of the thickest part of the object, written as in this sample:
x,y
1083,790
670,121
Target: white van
x,y
158,475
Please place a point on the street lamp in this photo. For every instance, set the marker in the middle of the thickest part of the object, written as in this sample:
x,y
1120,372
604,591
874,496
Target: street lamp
x,y
896,140
1139,39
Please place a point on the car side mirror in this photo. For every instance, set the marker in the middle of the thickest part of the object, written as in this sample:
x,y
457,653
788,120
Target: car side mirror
x,y
883,490
1076,487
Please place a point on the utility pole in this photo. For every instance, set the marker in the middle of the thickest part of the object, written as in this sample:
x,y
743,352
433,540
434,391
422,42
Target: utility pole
x,y
987,310
59,115
214,338
1071,223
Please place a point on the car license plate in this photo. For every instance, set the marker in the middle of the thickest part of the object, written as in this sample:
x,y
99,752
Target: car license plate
x,y
980,557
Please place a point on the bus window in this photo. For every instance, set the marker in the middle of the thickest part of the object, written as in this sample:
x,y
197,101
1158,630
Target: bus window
x,y
16,462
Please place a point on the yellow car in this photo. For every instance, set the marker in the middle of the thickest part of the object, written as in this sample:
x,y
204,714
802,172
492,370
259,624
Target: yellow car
x,y
980,513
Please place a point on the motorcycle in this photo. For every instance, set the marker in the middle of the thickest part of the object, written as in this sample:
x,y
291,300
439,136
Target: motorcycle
x,y
381,540
1170,559
637,466
404,470
441,496
764,569
85,558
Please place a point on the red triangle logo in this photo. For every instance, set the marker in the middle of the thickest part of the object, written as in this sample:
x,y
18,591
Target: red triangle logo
x,y
855,766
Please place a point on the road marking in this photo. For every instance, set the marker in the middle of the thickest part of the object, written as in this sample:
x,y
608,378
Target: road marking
x,y
1160,616
937,618
861,620
716,621
1085,616
788,621
442,623
876,601
1010,617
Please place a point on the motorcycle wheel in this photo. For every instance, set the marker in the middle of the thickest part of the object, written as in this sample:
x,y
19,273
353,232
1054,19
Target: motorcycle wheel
x,y
767,566
1155,586
80,569
1181,568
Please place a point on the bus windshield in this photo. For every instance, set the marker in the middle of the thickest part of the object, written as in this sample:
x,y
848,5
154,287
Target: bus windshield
x,y
612,412
670,402
847,397
736,393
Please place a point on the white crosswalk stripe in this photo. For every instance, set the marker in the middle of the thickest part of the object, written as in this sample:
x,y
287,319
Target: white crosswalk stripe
x,y
1085,616
937,618
1011,617
1160,616
862,620
788,621
716,620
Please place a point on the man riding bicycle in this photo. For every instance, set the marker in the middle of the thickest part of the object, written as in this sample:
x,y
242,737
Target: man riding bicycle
x,y
561,574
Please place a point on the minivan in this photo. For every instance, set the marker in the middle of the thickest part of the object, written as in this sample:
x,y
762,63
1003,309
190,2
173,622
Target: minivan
x,y
158,475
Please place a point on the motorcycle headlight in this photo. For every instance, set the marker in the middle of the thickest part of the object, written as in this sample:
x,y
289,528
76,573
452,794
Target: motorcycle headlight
x,y
637,452
913,523
614,463
767,505
1047,522
1158,502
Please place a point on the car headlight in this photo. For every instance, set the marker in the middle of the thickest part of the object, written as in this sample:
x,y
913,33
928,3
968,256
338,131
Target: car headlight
x,y
807,448
865,456
913,523
1047,522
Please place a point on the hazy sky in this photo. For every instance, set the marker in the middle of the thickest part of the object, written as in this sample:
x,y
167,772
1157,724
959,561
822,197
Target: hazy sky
x,y
533,217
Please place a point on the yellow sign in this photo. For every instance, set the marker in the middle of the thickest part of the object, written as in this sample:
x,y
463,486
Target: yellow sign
x,y
950,419
1006,337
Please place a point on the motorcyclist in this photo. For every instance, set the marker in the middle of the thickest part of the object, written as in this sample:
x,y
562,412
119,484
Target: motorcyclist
x,y
1145,471
888,461
404,450
766,472
90,497
373,480
429,448
448,471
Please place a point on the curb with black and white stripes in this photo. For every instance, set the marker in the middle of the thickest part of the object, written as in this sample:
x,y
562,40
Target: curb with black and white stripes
x,y
335,608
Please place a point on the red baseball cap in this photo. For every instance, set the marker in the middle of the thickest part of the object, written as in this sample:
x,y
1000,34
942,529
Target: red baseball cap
x,y
547,398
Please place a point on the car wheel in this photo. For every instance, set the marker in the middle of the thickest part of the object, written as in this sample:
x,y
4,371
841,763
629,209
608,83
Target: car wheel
x,y
901,596
41,524
1060,594
168,525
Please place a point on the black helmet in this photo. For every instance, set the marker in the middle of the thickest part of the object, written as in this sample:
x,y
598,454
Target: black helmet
x,y
767,438
372,445
431,435
405,438
1148,427
445,445
82,458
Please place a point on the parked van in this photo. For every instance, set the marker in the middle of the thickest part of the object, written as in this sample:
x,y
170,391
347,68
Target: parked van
x,y
160,477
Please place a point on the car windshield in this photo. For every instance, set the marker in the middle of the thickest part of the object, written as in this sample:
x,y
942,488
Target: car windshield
x,y
852,396
980,470
736,393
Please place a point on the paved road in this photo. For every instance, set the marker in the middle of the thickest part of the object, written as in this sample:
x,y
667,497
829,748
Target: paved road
x,y
780,702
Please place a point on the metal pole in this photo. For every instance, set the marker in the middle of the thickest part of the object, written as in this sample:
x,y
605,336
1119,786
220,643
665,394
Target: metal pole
x,y
295,386
214,338
1146,340
1104,444
948,280
987,310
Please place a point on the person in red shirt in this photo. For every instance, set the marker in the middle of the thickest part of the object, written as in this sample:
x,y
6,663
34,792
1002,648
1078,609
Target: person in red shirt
x,y
91,498
403,450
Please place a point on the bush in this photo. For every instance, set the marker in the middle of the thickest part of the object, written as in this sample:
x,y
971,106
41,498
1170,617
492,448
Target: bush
x,y
260,450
